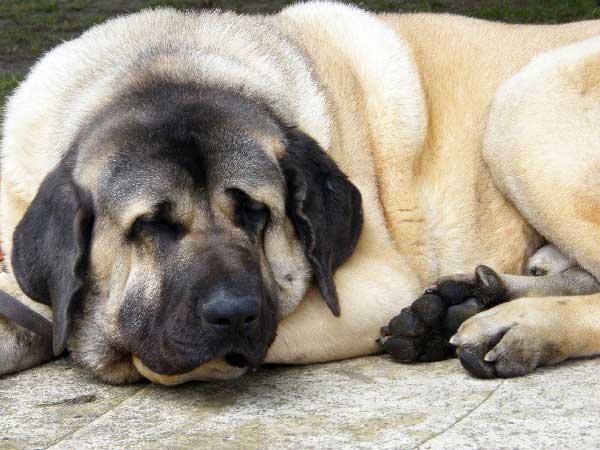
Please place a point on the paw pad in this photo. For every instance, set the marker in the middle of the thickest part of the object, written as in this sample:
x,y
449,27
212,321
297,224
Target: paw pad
x,y
420,332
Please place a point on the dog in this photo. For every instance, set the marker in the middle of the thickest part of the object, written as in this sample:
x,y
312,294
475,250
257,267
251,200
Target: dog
x,y
190,195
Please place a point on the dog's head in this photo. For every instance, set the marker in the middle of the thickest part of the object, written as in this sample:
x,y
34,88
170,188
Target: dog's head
x,y
181,226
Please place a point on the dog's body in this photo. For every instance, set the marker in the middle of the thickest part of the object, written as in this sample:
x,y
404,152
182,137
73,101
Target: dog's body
x,y
470,143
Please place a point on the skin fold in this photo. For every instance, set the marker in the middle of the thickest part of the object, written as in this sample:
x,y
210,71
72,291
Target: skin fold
x,y
191,195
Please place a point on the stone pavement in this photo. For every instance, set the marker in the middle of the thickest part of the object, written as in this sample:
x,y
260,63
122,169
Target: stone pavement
x,y
363,403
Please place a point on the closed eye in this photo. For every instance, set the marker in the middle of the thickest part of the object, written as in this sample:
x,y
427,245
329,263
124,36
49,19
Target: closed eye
x,y
154,226
249,213
157,222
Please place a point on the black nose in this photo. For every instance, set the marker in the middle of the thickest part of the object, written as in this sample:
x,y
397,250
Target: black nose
x,y
227,311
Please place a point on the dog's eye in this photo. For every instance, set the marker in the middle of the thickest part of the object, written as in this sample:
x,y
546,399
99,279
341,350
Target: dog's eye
x,y
250,214
144,226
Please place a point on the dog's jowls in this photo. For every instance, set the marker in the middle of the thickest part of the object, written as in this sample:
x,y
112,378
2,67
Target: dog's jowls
x,y
190,195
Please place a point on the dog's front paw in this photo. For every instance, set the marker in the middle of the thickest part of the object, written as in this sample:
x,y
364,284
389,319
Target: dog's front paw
x,y
509,340
420,332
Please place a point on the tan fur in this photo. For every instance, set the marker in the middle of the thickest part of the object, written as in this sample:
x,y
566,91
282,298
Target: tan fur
x,y
448,216
471,142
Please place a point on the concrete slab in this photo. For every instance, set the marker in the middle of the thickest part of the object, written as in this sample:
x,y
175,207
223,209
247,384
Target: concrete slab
x,y
557,407
362,403
44,405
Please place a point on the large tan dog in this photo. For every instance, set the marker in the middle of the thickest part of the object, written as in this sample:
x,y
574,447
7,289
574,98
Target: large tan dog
x,y
171,183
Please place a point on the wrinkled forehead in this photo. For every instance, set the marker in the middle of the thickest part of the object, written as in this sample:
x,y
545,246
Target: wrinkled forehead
x,y
146,156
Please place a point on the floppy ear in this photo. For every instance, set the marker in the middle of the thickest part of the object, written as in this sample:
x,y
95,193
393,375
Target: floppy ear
x,y
325,208
50,249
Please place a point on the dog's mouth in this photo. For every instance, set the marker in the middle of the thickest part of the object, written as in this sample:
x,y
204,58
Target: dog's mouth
x,y
233,365
173,361
236,360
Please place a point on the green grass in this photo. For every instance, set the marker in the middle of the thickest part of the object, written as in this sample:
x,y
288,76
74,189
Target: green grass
x,y
514,11
30,27
547,11
7,84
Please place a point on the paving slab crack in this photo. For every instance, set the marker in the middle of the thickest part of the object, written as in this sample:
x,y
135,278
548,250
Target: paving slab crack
x,y
460,418
104,414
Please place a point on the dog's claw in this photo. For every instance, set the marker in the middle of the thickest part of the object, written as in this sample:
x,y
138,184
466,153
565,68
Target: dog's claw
x,y
381,340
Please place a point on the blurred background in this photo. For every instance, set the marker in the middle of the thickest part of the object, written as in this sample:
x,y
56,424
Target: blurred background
x,y
29,27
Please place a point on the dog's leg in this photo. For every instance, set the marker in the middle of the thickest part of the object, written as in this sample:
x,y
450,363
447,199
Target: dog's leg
x,y
514,338
21,349
541,147
421,331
